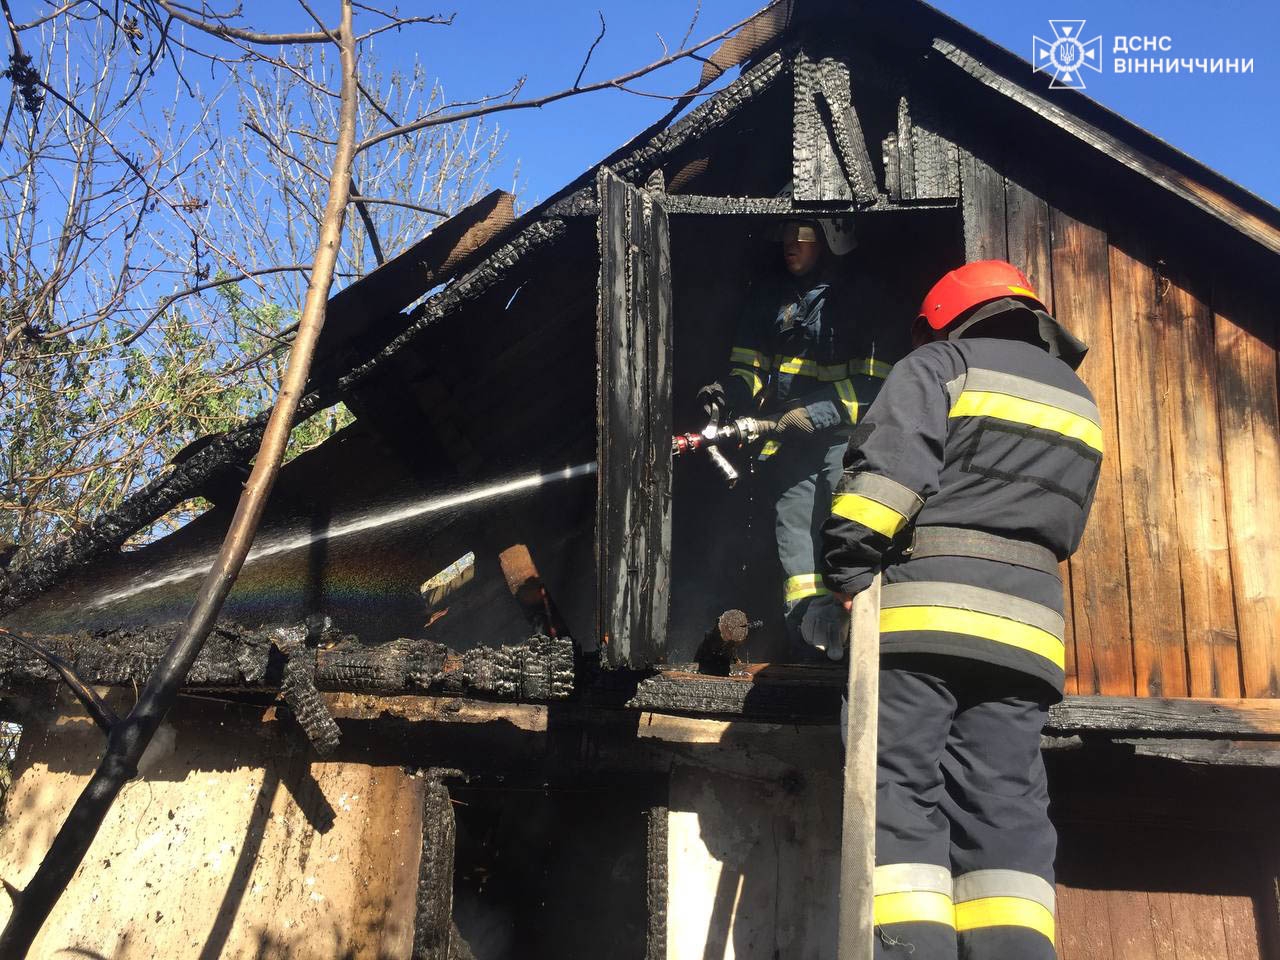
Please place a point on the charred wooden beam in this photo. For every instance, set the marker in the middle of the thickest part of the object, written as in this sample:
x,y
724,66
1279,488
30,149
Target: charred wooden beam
x,y
633,526
690,204
242,658
434,931
657,820
635,164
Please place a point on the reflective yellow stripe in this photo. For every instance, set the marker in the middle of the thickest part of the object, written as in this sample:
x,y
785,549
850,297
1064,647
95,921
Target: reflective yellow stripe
x,y
1003,912
977,403
883,520
830,372
917,906
803,585
769,449
752,358
849,398
751,377
867,367
1023,291
800,365
975,624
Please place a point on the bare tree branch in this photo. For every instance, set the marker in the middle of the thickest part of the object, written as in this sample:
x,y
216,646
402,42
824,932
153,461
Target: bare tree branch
x,y
542,101
590,50
173,298
102,714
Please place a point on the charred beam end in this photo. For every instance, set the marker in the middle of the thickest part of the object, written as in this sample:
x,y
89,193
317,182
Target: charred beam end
x,y
656,882
238,657
433,921
298,687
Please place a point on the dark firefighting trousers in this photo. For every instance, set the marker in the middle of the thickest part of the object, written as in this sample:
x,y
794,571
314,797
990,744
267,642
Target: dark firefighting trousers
x,y
802,476
964,846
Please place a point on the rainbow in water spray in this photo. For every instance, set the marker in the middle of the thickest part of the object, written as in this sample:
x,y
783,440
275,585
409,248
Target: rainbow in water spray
x,y
288,542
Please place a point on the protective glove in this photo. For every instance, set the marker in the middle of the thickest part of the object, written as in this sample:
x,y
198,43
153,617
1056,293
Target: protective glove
x,y
825,626
790,423
795,421
713,399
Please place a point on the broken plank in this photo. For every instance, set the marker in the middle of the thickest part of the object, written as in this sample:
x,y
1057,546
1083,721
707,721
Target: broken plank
x,y
1099,590
1146,473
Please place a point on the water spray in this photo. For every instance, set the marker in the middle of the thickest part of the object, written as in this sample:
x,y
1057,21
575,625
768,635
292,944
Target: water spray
x,y
285,543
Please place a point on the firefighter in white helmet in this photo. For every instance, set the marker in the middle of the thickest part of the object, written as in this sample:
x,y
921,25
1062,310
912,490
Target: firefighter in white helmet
x,y
804,360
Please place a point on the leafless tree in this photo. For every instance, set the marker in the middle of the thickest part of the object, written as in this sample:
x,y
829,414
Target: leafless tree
x,y
224,41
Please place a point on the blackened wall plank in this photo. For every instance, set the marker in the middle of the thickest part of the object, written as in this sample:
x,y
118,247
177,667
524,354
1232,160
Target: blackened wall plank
x,y
433,925
1143,449
816,173
1099,589
1245,334
929,165
982,207
634,424
1213,655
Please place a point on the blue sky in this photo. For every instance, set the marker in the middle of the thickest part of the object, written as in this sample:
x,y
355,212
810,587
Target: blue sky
x,y
1228,122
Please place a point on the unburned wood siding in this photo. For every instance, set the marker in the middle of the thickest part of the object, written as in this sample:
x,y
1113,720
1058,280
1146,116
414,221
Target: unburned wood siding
x,y
1175,590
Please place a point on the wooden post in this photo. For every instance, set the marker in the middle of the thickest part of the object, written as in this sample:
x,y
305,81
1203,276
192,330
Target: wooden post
x,y
858,835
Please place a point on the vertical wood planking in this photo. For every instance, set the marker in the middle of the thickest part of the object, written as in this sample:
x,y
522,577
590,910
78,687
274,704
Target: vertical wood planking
x,y
1197,925
657,241
1082,926
1099,589
1240,924
1146,468
1029,241
1251,462
1161,906
1129,913
634,417
1213,656
982,207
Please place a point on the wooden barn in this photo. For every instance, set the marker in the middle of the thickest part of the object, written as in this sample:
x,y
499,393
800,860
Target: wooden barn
x,y
466,701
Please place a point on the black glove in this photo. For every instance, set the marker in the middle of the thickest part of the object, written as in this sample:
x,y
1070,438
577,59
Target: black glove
x,y
792,422
713,399
795,421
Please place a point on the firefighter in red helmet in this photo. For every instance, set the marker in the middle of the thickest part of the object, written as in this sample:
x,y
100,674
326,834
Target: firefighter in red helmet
x,y
967,482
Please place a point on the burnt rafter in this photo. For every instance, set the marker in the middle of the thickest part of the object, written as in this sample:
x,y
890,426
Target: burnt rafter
x,y
243,658
830,161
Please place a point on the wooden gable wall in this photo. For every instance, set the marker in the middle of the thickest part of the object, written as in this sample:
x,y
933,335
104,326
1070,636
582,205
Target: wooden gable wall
x,y
1175,590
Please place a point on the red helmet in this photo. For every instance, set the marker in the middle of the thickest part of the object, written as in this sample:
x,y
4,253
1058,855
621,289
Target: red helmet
x,y
979,282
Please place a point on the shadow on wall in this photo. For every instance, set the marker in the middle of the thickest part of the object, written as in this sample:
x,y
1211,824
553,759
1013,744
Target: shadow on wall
x,y
754,865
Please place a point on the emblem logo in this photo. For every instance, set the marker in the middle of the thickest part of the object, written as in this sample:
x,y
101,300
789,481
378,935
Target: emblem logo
x,y
1066,55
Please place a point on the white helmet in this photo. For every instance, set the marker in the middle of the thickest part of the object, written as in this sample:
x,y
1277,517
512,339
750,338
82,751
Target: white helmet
x,y
839,234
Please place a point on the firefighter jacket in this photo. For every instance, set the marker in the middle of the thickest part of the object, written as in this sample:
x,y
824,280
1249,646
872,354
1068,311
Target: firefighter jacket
x,y
803,344
976,448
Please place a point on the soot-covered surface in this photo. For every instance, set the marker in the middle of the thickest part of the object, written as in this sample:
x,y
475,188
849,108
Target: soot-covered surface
x,y
550,874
